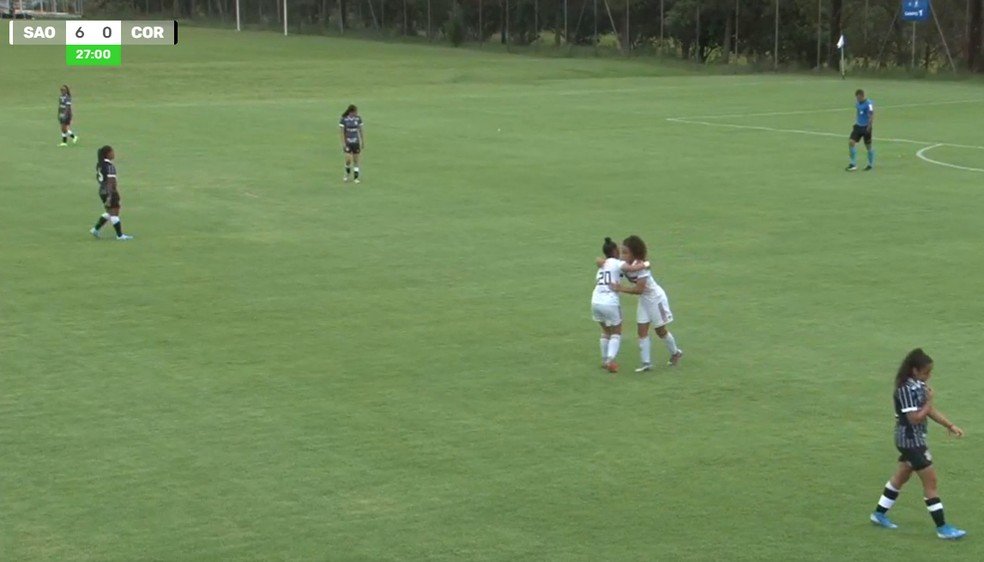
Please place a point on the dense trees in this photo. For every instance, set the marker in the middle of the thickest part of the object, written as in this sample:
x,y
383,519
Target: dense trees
x,y
709,31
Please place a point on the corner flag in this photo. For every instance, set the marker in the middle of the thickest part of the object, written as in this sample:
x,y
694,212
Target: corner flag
x,y
840,45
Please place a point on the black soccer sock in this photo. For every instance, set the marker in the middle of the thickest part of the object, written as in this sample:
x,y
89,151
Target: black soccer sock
x,y
118,226
71,135
99,223
935,507
356,172
64,138
887,500
348,170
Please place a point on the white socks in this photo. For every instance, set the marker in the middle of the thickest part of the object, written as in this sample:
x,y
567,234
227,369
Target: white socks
x,y
645,349
604,350
613,345
671,344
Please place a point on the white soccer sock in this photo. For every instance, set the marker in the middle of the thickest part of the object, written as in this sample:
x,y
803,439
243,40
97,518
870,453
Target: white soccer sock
x,y
671,344
613,345
604,350
888,497
645,348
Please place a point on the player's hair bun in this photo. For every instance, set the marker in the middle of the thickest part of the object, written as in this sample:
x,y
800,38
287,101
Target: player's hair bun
x,y
608,240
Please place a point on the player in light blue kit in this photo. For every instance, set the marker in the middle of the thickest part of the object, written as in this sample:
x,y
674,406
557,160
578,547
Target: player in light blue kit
x,y
865,109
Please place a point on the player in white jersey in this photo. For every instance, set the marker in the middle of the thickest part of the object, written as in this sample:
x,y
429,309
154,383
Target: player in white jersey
x,y
605,306
654,306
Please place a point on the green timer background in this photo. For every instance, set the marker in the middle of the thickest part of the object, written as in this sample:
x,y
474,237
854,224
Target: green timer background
x,y
282,366
93,55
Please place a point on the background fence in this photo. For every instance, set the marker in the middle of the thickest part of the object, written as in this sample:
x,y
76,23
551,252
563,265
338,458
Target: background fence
x,y
777,33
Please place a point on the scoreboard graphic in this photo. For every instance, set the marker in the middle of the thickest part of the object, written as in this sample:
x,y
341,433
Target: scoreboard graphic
x,y
93,43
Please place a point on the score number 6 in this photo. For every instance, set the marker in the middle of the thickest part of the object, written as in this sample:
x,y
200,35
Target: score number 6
x,y
107,33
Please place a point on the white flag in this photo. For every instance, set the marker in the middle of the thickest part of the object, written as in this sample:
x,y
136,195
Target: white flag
x,y
840,42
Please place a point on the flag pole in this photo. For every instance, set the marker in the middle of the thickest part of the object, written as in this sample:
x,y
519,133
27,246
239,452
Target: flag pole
x,y
841,43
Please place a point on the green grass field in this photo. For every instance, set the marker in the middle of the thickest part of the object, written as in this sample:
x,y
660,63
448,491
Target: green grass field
x,y
282,366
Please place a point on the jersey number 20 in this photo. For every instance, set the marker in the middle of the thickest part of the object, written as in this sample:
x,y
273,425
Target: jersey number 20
x,y
604,277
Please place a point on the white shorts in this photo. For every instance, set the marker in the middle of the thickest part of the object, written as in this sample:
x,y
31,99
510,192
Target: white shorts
x,y
654,311
608,314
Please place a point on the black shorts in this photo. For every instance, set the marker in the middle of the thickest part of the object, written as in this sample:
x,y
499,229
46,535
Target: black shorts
x,y
859,133
65,119
918,458
110,200
353,148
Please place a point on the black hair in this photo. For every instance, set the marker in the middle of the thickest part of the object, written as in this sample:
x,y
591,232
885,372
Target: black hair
x,y
351,109
67,90
859,92
609,248
103,152
916,359
636,246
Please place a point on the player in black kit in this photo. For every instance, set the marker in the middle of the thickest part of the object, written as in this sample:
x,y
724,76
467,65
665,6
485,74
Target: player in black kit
x,y
350,126
108,193
913,408
65,116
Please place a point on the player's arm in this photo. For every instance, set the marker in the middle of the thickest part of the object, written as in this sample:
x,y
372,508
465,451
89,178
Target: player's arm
x,y
111,184
362,138
636,288
341,133
913,412
871,117
939,418
634,266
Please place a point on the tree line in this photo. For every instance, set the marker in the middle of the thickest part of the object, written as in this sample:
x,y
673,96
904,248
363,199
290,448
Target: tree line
x,y
798,33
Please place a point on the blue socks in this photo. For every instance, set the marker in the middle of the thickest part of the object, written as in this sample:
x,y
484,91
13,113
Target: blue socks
x,y
871,156
854,155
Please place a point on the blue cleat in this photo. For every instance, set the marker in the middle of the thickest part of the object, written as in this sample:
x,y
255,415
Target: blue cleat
x,y
950,533
882,520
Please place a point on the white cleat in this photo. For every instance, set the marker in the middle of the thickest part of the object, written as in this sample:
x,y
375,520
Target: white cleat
x,y
345,179
94,232
645,368
75,139
124,237
357,180
675,359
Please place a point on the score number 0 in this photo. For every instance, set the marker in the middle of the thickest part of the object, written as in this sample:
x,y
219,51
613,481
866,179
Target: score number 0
x,y
107,32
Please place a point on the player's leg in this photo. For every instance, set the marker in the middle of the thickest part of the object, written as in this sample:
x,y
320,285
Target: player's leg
x,y
114,219
603,342
670,342
852,148
348,163
103,218
645,344
355,160
613,321
935,505
889,495
64,134
871,152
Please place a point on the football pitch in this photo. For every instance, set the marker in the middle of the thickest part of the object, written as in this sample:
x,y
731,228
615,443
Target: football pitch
x,y
282,366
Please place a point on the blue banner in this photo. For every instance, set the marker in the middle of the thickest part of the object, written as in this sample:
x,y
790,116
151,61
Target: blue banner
x,y
915,10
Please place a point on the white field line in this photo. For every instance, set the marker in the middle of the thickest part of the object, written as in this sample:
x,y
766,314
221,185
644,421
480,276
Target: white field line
x,y
814,133
922,156
832,110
